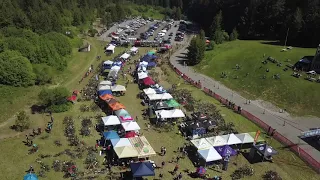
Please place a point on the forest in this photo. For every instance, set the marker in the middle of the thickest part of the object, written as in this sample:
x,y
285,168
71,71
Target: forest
x,y
35,35
255,19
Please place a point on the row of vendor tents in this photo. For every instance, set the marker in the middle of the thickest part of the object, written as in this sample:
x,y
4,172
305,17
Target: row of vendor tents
x,y
217,147
154,92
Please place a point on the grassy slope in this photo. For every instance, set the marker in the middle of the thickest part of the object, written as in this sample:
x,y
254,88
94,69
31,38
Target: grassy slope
x,y
14,164
296,95
146,11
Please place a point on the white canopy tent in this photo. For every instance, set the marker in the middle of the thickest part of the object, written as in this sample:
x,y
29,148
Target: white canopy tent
x,y
231,139
110,120
209,155
105,83
115,68
142,68
120,142
142,75
130,126
104,87
143,63
134,49
108,62
201,143
113,73
118,88
245,138
149,91
164,96
165,114
110,48
216,141
125,56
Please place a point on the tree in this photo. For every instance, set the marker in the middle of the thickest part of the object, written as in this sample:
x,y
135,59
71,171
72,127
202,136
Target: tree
x,y
22,122
178,13
202,34
55,99
216,24
196,50
44,74
15,70
218,36
234,35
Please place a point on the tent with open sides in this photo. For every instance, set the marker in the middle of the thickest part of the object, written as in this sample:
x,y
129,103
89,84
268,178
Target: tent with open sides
x,y
116,106
142,169
125,56
120,142
104,87
110,135
210,154
231,139
109,83
164,96
134,50
130,126
123,115
108,62
30,176
226,151
142,146
216,141
125,152
104,92
113,74
149,91
165,114
201,143
110,120
142,75
172,103
110,49
245,138
148,81
118,88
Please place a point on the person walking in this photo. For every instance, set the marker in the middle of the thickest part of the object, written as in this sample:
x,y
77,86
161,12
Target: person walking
x,y
164,151
27,138
162,164
178,158
176,168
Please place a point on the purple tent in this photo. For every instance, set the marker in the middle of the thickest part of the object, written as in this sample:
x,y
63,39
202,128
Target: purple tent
x,y
225,150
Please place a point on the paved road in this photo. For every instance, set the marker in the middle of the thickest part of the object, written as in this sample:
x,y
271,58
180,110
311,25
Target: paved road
x,y
293,125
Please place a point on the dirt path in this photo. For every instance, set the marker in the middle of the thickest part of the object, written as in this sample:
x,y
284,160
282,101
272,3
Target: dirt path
x,y
67,83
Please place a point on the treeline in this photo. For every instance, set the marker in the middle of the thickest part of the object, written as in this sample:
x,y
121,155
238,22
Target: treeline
x,y
256,19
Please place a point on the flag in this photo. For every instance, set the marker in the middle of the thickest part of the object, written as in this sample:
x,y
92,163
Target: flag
x,y
256,136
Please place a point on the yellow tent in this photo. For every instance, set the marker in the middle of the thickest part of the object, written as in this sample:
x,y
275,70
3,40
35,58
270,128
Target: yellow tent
x,y
126,152
142,146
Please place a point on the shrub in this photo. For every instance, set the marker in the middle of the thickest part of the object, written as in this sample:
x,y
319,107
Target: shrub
x,y
55,99
22,121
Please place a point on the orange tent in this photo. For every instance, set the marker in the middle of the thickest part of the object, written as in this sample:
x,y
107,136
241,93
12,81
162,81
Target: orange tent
x,y
111,101
116,106
207,41
106,96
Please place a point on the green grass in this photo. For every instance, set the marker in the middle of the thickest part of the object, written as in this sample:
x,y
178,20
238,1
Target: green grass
x,y
15,162
298,96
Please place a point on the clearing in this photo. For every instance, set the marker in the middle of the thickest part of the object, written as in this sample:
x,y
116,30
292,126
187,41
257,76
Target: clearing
x,y
296,95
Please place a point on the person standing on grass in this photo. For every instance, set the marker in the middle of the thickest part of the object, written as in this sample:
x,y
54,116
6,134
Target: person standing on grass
x,y
176,168
162,164
164,151
178,158
179,176
27,138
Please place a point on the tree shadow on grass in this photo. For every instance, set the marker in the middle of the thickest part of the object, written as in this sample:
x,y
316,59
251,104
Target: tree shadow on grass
x,y
37,109
274,43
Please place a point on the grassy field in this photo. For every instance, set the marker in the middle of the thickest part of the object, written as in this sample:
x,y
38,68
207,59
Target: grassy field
x,y
15,160
298,96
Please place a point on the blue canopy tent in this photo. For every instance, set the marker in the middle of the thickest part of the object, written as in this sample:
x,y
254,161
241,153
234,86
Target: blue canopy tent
x,y
103,92
110,135
152,64
226,151
146,58
142,169
30,176
117,63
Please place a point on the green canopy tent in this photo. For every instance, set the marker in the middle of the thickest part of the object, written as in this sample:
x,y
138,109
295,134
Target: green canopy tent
x,y
172,103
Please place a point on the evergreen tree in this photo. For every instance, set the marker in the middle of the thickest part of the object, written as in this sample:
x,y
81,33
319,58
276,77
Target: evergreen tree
x,y
22,122
178,14
234,35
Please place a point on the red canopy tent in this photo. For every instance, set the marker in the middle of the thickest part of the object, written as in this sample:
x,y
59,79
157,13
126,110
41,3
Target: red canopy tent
x,y
130,134
148,81
72,98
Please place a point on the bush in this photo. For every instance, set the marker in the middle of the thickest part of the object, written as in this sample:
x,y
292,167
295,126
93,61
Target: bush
x,y
44,74
55,99
234,35
22,122
225,36
60,108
